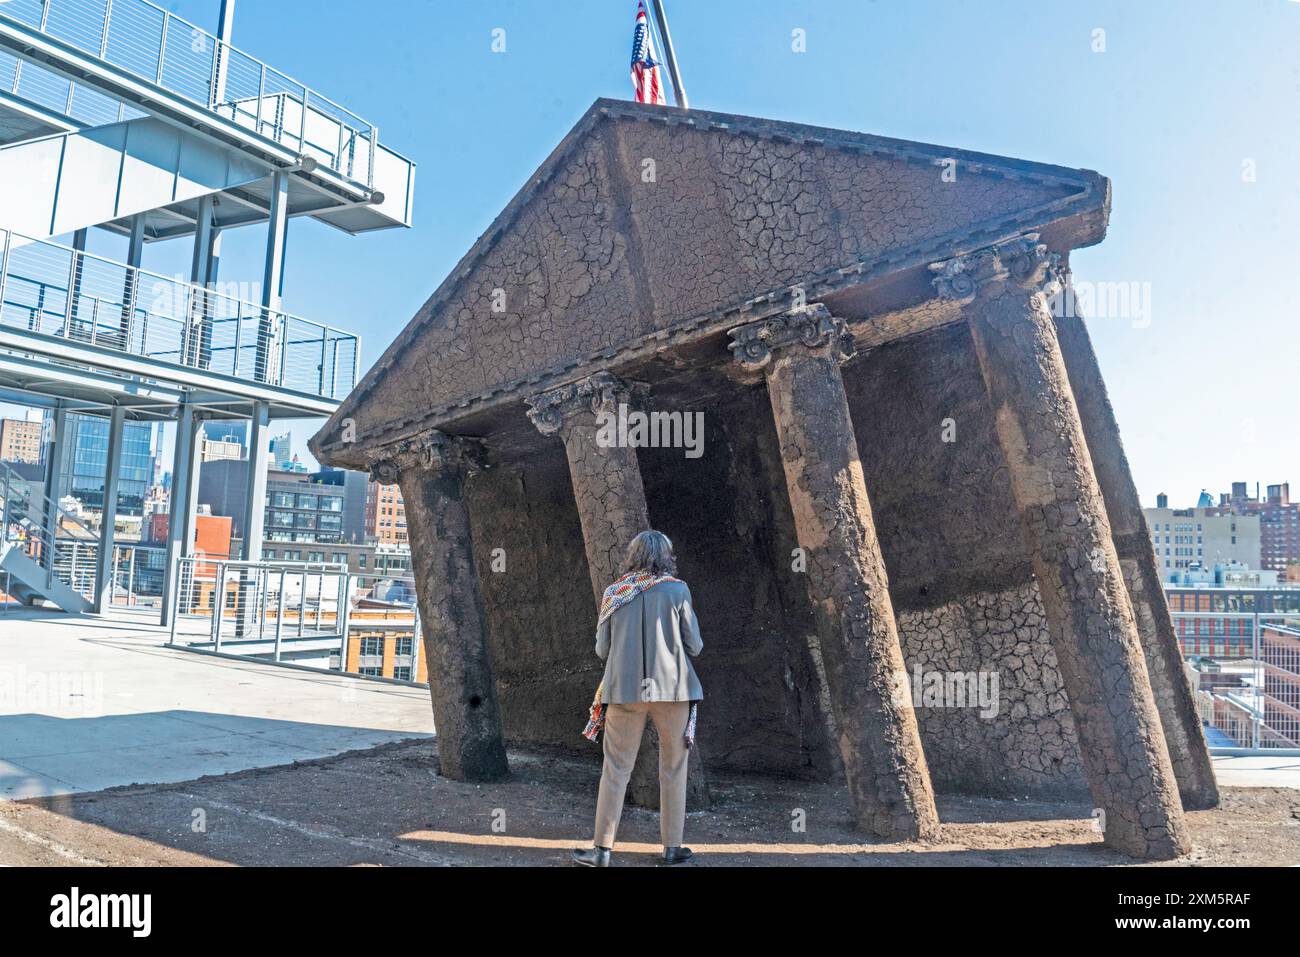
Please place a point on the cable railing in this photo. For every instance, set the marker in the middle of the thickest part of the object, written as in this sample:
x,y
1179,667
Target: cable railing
x,y
167,51
58,291
318,616
45,88
1245,672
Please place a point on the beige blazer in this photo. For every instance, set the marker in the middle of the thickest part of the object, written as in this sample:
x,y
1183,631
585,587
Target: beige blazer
x,y
645,646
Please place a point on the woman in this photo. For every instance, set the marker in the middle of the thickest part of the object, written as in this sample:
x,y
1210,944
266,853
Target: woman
x,y
647,628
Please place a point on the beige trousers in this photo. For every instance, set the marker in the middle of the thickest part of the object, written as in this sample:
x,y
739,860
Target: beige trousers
x,y
624,725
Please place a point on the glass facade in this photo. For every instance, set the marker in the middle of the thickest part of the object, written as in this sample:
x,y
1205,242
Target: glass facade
x,y
85,462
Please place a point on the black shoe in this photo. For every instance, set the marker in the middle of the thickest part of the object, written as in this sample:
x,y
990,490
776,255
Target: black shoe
x,y
591,856
677,855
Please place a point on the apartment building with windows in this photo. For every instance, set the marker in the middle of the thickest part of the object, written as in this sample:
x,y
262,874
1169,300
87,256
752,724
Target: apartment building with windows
x,y
386,514
1185,538
20,440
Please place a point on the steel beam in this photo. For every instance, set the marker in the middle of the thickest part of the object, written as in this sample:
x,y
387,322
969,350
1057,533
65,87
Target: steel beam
x,y
181,518
104,560
259,454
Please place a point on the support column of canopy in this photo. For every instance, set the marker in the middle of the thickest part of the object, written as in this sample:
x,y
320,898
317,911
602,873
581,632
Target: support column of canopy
x,y
259,456
612,509
266,365
1188,752
131,284
800,354
431,470
104,557
180,519
1067,532
197,330
76,274
54,481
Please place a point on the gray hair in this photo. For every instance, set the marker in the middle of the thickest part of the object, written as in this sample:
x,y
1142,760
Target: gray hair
x,y
652,552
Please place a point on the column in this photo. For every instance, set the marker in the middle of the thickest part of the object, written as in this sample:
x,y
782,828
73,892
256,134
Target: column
x,y
130,286
259,454
431,469
199,308
104,558
58,421
1068,537
799,354
179,518
1193,769
266,368
612,509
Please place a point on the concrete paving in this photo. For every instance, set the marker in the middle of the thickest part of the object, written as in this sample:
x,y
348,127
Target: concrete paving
x,y
1254,771
89,703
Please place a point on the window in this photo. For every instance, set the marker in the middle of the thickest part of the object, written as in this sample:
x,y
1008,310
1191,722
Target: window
x,y
282,519
306,501
315,556
361,561
371,672
269,554
402,674
282,499
405,646
330,523
304,520
339,558
331,503
372,645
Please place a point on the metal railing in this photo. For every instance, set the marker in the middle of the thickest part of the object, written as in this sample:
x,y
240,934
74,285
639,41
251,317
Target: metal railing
x,y
160,48
57,291
318,616
1246,682
45,88
53,538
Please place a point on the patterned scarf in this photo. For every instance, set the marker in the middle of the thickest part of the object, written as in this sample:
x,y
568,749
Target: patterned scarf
x,y
616,596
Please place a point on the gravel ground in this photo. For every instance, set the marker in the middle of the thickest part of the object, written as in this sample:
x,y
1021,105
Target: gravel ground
x,y
387,806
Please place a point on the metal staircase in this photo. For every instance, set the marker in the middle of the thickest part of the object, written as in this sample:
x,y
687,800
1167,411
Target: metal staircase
x,y
45,552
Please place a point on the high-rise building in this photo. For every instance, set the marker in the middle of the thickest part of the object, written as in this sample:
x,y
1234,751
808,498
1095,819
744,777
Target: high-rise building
x,y
20,440
85,463
297,509
1279,522
385,514
1202,538
282,452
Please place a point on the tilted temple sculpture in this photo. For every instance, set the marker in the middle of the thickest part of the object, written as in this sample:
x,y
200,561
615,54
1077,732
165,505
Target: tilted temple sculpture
x,y
910,466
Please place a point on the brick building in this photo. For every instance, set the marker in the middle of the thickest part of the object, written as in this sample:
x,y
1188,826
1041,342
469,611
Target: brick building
x,y
20,440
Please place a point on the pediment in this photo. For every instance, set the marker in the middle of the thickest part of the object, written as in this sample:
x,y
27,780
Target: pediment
x,y
649,223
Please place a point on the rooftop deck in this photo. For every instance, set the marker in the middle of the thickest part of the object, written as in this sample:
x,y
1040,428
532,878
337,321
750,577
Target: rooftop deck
x,y
273,757
96,703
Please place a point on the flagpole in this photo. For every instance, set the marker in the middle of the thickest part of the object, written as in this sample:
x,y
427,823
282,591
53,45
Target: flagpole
x,y
679,91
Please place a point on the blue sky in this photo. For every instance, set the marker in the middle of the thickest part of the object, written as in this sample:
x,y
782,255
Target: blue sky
x,y
1187,95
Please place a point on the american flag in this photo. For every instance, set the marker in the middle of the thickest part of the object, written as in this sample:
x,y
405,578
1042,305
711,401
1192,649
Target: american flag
x,y
645,68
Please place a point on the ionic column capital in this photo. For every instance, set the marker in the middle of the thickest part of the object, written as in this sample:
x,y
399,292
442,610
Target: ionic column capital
x,y
432,451
811,328
600,393
1022,261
